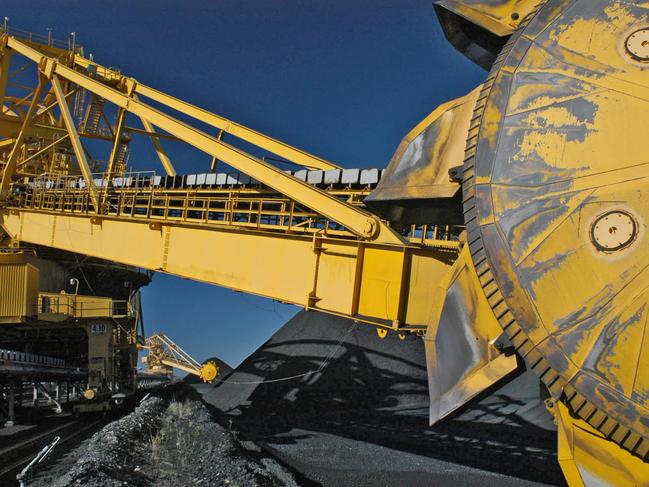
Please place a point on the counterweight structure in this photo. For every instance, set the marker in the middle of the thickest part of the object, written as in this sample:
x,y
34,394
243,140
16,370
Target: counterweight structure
x,y
508,229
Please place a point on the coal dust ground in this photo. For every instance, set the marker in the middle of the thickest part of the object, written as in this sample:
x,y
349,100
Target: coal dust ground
x,y
167,441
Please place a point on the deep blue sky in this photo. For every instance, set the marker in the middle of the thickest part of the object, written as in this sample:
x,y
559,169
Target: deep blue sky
x,y
343,79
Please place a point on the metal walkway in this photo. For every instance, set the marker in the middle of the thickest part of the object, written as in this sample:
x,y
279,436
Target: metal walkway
x,y
221,199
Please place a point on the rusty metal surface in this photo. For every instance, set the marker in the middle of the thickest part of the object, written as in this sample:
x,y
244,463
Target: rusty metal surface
x,y
559,142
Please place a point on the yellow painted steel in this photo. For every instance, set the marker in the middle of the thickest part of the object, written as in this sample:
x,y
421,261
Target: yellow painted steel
x,y
277,147
374,283
589,459
79,151
209,371
10,166
272,145
19,289
555,150
62,306
420,166
555,197
100,354
164,354
5,61
361,223
11,125
119,130
162,154
500,17
461,315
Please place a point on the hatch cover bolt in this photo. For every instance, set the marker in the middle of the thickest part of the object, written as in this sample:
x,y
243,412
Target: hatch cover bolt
x,y
613,231
637,45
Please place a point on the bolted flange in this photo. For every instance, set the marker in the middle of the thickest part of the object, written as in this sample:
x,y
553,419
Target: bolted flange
x,y
371,228
613,231
637,45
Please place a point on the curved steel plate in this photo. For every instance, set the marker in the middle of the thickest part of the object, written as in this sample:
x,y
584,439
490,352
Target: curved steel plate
x,y
560,140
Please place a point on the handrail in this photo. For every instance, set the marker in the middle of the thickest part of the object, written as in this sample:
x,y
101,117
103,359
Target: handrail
x,y
70,305
135,195
47,40
363,224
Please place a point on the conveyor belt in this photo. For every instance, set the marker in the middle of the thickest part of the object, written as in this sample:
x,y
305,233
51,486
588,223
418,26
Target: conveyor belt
x,y
223,199
351,179
28,365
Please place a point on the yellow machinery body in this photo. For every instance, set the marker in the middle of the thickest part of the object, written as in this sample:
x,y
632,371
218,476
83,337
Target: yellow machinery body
x,y
509,228
97,334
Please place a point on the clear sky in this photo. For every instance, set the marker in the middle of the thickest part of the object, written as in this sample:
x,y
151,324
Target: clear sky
x,y
343,79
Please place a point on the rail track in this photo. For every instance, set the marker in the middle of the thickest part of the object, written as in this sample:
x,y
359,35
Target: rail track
x,y
14,457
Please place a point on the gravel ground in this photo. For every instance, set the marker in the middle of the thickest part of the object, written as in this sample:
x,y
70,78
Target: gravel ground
x,y
166,442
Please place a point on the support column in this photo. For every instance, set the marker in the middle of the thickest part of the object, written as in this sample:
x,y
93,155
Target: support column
x,y
215,159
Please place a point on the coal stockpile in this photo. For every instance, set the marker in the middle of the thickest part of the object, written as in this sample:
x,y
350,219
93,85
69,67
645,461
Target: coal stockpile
x,y
169,440
343,407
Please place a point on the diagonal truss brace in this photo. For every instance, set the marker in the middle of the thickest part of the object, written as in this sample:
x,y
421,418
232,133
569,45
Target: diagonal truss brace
x,y
79,152
275,146
10,167
119,129
157,145
361,223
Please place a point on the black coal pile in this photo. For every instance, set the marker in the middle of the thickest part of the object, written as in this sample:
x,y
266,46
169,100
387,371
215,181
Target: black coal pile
x,y
190,448
113,456
331,399
167,443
